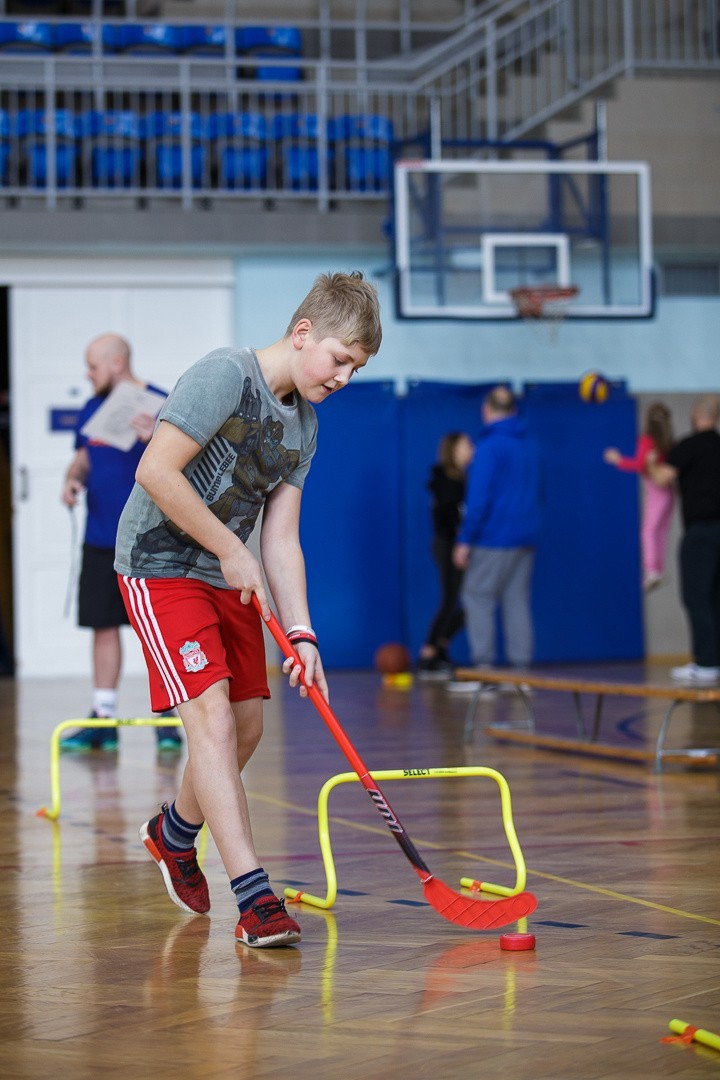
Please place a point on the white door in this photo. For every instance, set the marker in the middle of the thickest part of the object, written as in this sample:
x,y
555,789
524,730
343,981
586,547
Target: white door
x,y
172,313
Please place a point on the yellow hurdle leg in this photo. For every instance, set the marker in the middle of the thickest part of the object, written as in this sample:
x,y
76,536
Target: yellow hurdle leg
x,y
53,811
297,895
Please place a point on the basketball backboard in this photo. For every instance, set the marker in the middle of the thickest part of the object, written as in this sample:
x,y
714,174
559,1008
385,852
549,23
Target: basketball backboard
x,y
467,232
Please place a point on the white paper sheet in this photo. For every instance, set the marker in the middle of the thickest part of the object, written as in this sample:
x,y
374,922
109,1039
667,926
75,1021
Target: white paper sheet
x,y
110,423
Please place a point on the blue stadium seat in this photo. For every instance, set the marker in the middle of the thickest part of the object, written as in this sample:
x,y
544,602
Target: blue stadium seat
x,y
370,127
169,166
204,40
164,132
242,153
116,166
33,122
367,151
116,152
297,136
270,42
32,129
75,38
66,156
113,124
143,39
296,126
367,168
5,132
249,126
26,37
169,125
243,167
112,38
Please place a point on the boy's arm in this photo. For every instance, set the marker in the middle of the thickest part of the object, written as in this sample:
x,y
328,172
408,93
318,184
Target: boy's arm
x,y
284,564
160,473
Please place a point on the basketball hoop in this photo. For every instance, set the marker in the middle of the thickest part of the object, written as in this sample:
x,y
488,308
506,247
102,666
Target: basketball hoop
x,y
543,304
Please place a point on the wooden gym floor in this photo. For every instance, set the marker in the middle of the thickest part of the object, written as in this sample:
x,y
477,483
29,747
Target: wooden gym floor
x,y
102,976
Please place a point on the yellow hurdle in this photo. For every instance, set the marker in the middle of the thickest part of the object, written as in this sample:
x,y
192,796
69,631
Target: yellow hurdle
x,y
298,896
53,811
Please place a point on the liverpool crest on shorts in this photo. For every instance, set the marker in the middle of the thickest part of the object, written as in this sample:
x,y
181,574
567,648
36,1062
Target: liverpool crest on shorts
x,y
194,658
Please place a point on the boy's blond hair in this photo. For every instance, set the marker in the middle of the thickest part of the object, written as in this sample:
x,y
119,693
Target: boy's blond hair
x,y
343,306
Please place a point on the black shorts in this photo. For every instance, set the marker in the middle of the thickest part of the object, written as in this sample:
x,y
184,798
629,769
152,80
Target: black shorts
x,y
100,602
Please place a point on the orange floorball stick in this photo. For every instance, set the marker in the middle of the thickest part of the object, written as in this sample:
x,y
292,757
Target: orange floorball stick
x,y
461,910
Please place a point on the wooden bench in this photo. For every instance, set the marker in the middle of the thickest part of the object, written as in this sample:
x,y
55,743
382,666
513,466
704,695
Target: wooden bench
x,y
674,694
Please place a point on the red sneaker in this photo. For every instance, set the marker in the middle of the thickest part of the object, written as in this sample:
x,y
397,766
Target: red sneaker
x,y
184,880
266,924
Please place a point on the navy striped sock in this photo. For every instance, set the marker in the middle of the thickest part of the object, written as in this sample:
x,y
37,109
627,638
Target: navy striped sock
x,y
251,887
178,834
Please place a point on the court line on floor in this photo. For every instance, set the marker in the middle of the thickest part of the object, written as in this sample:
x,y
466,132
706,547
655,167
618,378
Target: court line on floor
x,y
599,889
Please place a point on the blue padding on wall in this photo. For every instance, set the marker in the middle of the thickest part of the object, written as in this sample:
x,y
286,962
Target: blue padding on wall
x,y
586,590
431,410
350,525
366,527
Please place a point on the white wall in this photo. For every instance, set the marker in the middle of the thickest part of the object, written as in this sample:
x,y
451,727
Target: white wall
x,y
675,351
167,309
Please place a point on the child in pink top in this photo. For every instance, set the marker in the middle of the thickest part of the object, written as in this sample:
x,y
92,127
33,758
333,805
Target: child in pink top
x,y
655,441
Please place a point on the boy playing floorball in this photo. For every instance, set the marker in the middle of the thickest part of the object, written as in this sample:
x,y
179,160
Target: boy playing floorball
x,y
235,436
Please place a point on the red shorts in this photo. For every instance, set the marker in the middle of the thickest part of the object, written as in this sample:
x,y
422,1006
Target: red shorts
x,y
193,635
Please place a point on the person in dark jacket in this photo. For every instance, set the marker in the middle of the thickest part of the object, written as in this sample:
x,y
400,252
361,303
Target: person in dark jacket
x,y
447,487
694,465
498,535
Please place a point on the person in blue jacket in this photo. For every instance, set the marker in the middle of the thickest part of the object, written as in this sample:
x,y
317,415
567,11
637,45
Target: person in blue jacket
x,y
499,533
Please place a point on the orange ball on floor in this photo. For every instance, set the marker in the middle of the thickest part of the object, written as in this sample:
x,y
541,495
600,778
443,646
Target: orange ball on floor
x,y
393,658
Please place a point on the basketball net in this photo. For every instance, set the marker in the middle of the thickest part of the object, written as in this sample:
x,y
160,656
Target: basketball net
x,y
543,307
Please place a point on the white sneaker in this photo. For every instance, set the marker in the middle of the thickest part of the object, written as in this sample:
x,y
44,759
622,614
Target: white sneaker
x,y
694,673
652,580
456,686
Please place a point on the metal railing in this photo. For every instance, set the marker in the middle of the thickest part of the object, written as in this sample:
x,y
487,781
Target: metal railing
x,y
322,122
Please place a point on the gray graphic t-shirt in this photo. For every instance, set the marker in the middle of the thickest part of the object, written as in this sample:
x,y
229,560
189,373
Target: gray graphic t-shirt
x,y
251,443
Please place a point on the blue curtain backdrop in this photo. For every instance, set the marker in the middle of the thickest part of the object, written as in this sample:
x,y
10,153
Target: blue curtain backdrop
x,y
586,591
366,527
350,525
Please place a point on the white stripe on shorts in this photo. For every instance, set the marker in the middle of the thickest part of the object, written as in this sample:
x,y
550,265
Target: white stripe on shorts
x,y
141,604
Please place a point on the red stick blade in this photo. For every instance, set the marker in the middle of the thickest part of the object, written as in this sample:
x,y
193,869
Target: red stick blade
x,y
477,914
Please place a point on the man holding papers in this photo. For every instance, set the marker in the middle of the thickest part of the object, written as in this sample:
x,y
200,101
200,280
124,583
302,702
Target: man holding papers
x,y
112,431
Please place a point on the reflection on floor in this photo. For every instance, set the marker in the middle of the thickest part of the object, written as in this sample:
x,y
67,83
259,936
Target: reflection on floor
x,y
102,975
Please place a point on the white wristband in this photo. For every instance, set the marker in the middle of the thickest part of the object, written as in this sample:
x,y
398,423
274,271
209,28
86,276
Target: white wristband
x,y
304,629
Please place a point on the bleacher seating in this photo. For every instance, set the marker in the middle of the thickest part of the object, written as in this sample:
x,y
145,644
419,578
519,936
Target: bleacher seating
x,y
161,38
243,150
